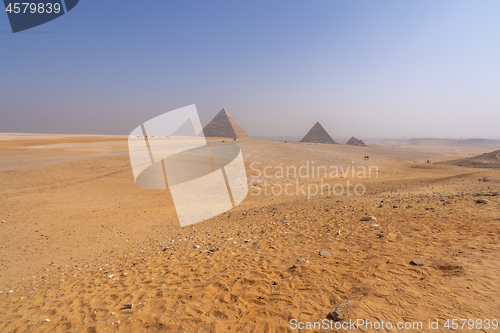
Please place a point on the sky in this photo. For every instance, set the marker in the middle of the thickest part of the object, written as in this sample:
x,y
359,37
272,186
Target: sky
x,y
370,69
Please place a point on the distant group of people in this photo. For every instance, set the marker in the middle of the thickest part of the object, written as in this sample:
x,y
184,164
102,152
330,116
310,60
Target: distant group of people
x,y
429,161
366,157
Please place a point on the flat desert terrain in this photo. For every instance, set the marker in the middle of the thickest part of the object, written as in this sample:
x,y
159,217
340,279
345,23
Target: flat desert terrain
x,y
84,249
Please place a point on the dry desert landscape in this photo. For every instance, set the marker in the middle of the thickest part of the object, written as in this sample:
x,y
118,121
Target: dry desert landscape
x,y
84,249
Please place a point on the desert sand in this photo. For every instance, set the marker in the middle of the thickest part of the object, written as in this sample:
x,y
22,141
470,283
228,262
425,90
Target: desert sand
x,y
79,240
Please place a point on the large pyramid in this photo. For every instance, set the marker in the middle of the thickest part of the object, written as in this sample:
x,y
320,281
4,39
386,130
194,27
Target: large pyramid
x,y
223,125
317,134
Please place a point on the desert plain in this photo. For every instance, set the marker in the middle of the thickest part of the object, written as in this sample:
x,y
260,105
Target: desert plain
x,y
84,249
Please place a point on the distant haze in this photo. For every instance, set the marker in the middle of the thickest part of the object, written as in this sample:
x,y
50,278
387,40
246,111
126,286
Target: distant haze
x,y
378,69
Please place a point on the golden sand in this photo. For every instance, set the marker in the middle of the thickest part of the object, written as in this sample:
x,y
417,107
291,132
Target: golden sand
x,y
80,240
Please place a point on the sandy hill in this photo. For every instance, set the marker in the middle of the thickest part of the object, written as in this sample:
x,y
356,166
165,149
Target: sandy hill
x,y
487,160
223,125
317,134
355,142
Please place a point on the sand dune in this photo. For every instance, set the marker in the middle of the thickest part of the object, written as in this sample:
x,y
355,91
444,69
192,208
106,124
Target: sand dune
x,y
487,160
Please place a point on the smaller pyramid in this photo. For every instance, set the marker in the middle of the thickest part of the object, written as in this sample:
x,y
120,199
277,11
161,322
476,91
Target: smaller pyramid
x,y
356,142
317,134
224,126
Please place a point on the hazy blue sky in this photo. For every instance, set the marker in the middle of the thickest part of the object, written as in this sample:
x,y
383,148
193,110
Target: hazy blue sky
x,y
364,68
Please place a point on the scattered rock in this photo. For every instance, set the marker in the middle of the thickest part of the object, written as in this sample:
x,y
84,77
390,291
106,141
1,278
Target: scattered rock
x,y
447,203
127,306
368,218
482,201
46,320
417,262
339,312
256,246
196,246
213,249
429,208
248,240
324,253
300,259
374,226
380,234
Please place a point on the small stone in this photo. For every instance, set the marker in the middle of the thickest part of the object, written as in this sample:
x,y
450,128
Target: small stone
x,y
368,218
248,240
110,276
196,246
300,259
380,234
127,306
482,201
256,246
46,320
447,203
417,262
374,226
213,249
338,312
324,253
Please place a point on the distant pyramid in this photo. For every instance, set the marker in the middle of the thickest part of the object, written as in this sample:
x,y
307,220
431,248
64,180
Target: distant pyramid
x,y
188,128
317,134
355,142
223,125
